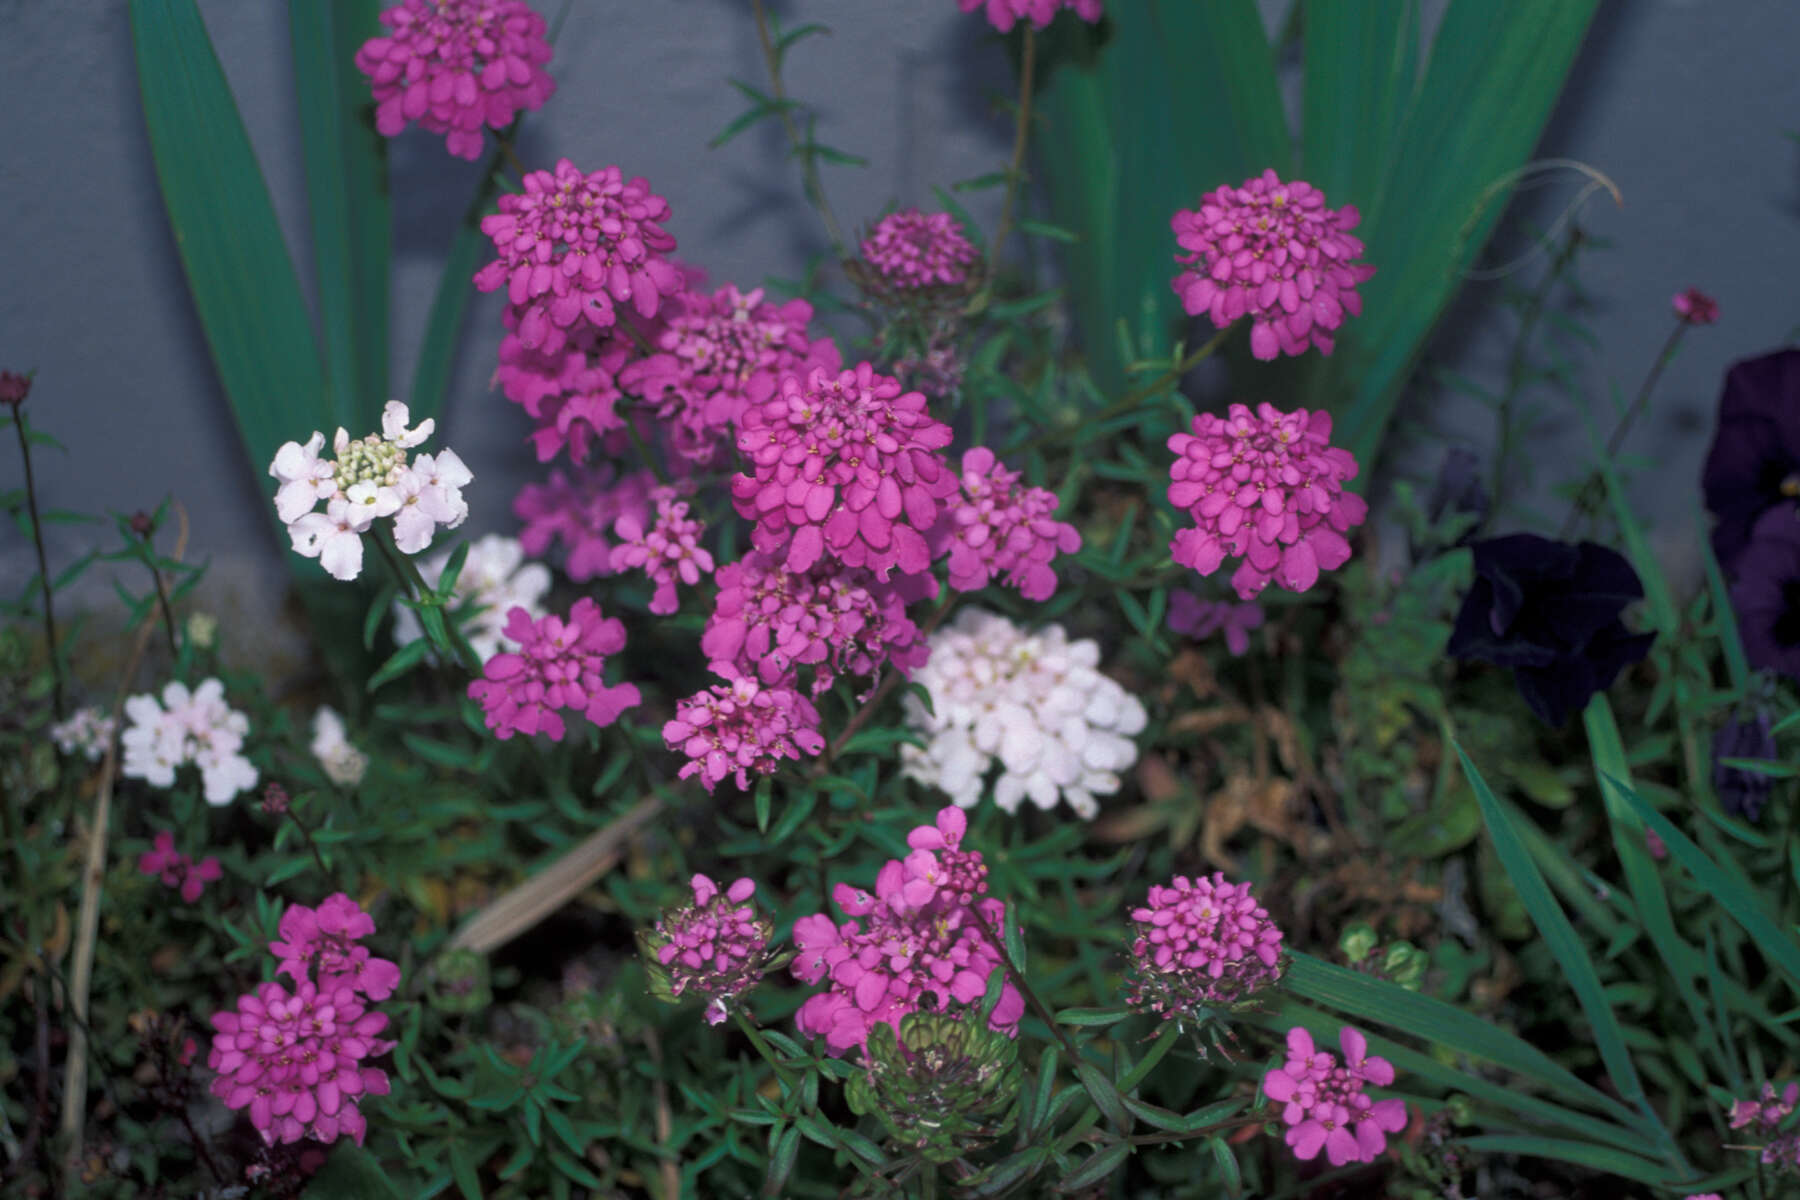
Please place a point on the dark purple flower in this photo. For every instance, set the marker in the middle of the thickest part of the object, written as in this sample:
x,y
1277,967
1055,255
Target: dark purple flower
x,y
1743,793
1754,463
1550,611
1766,593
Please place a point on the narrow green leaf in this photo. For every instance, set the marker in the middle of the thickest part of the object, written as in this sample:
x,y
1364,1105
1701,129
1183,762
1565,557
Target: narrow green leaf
x,y
1362,62
1105,1096
1092,1016
402,661
1100,1164
1600,1158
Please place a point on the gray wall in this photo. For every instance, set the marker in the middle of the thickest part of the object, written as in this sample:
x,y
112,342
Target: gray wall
x,y
1683,103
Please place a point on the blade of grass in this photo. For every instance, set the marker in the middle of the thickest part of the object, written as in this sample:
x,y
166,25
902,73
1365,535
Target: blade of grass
x,y
1361,66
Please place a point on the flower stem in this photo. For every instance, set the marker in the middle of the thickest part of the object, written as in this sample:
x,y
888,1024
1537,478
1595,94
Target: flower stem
x,y
306,836
763,1048
1164,1042
1593,488
1516,364
37,538
804,149
406,574
1015,171
162,599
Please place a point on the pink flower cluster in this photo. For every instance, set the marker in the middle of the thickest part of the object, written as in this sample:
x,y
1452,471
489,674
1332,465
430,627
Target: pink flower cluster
x,y
560,664
1695,307
910,249
457,65
845,465
1197,618
1763,1116
572,244
294,1059
919,937
572,392
1202,943
581,514
1002,530
742,728
1004,14
716,947
1323,1103
719,354
1268,486
179,870
768,621
668,550
1272,251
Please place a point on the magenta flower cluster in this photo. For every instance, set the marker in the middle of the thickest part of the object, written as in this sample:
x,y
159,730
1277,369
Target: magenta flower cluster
x,y
742,728
574,244
1268,486
1004,14
1322,1101
179,870
455,66
769,621
1002,530
909,250
295,1058
581,513
1273,252
560,664
1695,307
667,551
1198,618
571,392
715,947
1763,1117
845,465
1202,943
920,936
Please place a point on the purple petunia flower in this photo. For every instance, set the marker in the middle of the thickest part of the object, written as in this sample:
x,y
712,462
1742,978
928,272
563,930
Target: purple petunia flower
x,y
1743,793
1766,593
1754,463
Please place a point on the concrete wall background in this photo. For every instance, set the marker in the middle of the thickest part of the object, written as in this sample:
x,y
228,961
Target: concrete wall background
x,y
1682,102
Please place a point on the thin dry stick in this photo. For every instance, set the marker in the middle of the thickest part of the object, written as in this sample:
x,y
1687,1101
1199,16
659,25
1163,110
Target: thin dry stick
x,y
87,927
665,1122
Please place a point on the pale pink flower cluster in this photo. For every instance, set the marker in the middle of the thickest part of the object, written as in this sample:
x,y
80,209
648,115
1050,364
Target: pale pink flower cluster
x,y
715,947
1004,14
572,244
495,579
667,550
571,391
1198,618
1035,703
999,529
560,664
1323,1104
919,937
769,621
580,512
1202,943
179,870
910,249
742,728
87,732
294,1059
847,466
1273,252
717,355
455,66
341,761
366,479
1268,486
1763,1117
195,727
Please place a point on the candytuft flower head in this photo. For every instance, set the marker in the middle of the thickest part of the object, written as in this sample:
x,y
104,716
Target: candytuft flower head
x,y
187,727
455,66
572,244
715,948
495,579
580,513
1273,252
1197,618
179,870
844,465
1754,463
560,664
1550,611
1695,307
342,762
87,732
1268,486
667,550
909,250
1000,530
1034,702
920,939
1004,14
1202,943
1744,793
742,728
943,1085
1323,1104
1766,593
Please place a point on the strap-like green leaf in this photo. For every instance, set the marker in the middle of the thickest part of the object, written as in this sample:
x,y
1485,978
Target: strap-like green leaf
x,y
437,354
1362,62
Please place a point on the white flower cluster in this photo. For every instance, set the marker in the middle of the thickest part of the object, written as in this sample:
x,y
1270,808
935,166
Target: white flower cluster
x,y
1036,702
369,478
86,732
496,579
197,727
343,763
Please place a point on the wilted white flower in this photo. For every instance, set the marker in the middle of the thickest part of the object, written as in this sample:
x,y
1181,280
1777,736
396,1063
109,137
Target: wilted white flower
x,y
343,763
195,727
86,732
496,578
1036,703
202,630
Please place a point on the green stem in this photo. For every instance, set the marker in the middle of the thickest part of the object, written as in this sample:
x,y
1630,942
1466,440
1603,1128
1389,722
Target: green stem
x,y
637,443
37,538
1015,170
803,147
768,1052
928,1181
1164,1042
1516,363
162,598
406,574
1595,484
